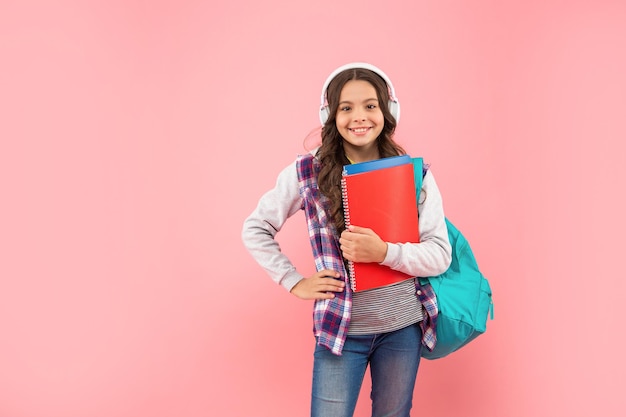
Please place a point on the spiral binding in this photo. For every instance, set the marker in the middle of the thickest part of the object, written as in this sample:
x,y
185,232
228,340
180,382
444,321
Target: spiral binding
x,y
346,217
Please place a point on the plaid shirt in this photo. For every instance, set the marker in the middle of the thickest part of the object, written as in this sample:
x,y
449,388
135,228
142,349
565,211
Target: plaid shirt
x,y
331,318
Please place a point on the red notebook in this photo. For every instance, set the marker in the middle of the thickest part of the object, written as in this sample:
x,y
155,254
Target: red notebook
x,y
382,198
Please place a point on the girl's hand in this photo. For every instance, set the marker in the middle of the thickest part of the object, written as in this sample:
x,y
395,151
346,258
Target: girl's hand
x,y
360,244
319,286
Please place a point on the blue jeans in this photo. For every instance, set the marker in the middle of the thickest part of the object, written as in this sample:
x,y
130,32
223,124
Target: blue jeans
x,y
393,359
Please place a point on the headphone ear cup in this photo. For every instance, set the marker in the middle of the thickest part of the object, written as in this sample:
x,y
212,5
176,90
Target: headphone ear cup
x,y
394,109
324,114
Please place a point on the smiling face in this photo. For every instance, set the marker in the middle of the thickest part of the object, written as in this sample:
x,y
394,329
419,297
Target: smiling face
x,y
359,120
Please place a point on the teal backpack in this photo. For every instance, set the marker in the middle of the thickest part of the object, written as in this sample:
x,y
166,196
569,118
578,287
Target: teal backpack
x,y
464,296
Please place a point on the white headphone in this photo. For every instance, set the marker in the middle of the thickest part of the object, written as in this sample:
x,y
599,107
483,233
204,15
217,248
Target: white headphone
x,y
394,105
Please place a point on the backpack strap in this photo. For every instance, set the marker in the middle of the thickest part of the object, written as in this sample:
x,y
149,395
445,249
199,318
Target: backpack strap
x,y
418,168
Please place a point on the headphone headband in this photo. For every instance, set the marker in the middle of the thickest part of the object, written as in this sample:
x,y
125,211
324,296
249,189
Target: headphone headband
x,y
394,105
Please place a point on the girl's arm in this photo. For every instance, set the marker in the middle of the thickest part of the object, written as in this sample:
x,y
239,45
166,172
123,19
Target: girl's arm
x,y
260,228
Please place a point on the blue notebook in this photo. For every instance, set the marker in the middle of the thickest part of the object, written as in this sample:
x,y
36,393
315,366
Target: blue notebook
x,y
388,162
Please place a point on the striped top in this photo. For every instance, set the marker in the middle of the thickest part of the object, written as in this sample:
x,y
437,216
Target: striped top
x,y
385,309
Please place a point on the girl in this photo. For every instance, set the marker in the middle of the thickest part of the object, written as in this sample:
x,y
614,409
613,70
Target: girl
x,y
387,327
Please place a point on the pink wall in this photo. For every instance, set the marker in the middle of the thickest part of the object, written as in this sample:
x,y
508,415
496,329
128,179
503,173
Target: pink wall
x,y
136,136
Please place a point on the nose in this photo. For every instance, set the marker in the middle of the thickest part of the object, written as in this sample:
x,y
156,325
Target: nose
x,y
359,115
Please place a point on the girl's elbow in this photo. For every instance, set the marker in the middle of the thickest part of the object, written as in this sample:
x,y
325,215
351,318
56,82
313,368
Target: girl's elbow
x,y
447,261
446,258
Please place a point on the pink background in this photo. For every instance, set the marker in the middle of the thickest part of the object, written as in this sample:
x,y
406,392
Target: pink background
x,y
136,136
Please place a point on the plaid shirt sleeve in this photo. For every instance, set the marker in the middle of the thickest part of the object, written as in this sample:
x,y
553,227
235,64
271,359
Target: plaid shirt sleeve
x,y
428,299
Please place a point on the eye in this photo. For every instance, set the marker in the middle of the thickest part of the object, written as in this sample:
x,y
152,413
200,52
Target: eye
x,y
371,106
345,108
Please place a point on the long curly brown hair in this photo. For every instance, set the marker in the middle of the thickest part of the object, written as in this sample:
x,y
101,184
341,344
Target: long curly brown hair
x,y
331,154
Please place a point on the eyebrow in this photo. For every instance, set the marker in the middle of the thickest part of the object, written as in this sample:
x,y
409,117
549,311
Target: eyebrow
x,y
364,101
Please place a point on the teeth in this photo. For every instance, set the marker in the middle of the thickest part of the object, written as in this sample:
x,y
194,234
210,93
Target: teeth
x,y
360,130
